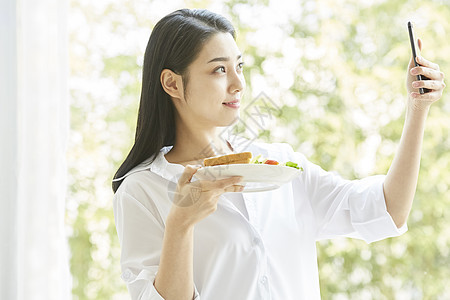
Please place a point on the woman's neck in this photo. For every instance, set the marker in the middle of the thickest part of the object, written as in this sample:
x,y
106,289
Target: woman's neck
x,y
190,148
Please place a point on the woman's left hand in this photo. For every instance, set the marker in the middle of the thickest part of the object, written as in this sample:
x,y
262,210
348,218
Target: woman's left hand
x,y
417,101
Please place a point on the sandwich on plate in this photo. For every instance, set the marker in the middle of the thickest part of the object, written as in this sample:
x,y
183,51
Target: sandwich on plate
x,y
245,158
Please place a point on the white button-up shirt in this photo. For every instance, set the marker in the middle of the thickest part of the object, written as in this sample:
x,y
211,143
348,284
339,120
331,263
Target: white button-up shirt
x,y
267,251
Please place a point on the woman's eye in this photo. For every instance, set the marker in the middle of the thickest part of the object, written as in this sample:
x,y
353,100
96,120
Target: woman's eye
x,y
220,70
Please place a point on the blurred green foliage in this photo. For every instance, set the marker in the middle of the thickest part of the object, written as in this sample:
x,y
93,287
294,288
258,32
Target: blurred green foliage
x,y
336,69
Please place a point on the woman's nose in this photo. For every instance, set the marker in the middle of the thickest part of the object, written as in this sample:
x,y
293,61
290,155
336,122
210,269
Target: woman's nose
x,y
237,82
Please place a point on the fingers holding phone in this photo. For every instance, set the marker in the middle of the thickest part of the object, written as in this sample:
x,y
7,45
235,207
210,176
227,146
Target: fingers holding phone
x,y
414,55
429,70
425,81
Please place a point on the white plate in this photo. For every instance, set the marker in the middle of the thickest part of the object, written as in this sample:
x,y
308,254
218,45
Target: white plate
x,y
256,177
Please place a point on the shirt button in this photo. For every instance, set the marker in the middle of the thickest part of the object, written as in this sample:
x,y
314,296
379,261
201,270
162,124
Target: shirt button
x,y
263,279
127,274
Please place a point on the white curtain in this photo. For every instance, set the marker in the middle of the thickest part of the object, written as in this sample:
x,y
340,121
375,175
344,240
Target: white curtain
x,y
34,122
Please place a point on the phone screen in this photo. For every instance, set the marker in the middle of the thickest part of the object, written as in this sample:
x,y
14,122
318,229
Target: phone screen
x,y
413,48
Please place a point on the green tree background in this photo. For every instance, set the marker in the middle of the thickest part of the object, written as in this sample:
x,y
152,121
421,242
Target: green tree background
x,y
337,71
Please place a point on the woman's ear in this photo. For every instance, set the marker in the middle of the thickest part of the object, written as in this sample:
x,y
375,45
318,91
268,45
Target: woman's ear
x,y
172,83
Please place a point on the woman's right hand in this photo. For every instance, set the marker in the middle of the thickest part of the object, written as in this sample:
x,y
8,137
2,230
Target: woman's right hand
x,y
194,201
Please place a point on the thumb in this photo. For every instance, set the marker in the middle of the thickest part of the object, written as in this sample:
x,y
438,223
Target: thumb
x,y
419,43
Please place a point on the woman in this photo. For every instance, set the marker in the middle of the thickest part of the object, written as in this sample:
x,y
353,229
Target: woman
x,y
192,239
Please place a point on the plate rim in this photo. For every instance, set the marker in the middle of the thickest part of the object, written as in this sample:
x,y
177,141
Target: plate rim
x,y
292,171
248,165
271,185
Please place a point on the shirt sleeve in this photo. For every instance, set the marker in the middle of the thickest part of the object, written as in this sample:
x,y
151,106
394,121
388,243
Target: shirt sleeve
x,y
351,208
140,235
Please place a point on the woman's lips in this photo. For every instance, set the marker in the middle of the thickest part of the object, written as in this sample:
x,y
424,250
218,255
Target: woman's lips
x,y
232,104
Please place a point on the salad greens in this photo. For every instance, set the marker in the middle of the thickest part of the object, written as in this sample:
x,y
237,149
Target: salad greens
x,y
260,160
292,164
256,160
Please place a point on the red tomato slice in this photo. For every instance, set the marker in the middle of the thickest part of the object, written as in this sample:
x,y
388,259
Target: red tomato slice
x,y
271,162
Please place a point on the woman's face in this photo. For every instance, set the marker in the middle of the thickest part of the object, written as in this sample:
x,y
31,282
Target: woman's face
x,y
215,84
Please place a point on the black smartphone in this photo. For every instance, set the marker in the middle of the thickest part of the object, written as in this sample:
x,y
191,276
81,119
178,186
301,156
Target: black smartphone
x,y
413,48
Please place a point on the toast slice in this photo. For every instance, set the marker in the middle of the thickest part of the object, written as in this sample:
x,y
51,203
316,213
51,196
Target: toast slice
x,y
235,158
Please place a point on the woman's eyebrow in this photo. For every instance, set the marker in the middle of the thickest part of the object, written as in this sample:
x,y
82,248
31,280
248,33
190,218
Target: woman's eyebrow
x,y
223,58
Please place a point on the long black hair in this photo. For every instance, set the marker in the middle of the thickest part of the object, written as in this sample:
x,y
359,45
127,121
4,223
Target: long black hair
x,y
174,44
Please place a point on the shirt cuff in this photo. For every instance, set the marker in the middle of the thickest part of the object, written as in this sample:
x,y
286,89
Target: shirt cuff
x,y
141,286
376,224
379,229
